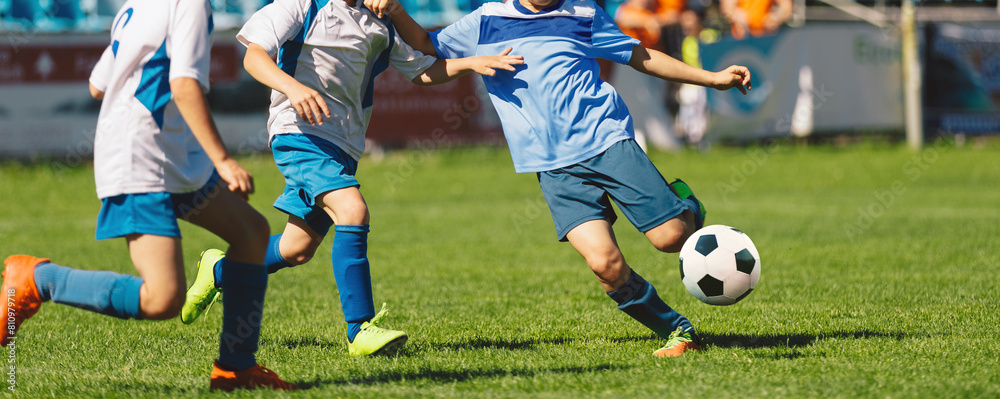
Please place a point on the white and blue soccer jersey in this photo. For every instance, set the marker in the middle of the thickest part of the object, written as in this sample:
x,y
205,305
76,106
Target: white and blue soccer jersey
x,y
337,50
554,109
142,144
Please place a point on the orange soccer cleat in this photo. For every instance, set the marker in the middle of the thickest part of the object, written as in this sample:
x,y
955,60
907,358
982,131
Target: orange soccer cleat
x,y
254,377
21,296
679,342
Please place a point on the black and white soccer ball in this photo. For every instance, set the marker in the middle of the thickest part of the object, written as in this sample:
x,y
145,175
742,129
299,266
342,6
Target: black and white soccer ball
x,y
719,265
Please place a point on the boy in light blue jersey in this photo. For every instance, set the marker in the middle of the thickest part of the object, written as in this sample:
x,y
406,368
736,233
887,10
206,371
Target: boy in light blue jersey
x,y
321,57
572,129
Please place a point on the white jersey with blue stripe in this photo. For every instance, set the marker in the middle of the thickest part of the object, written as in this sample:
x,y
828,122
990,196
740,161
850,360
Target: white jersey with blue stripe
x,y
142,144
554,109
337,50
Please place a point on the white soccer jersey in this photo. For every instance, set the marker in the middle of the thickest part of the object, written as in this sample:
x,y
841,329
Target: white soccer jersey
x,y
337,50
142,144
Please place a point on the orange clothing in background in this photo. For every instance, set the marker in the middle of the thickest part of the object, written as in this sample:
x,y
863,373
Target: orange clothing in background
x,y
756,12
665,9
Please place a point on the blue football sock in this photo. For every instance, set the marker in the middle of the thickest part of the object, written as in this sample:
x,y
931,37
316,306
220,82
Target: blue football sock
x,y
353,275
638,299
243,287
103,292
273,259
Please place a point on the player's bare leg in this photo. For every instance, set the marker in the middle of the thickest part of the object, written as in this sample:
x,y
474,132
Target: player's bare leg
x,y
160,264
228,216
231,218
299,242
670,236
595,241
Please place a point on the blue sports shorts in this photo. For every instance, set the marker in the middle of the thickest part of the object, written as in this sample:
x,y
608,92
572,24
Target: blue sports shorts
x,y
311,166
150,213
582,192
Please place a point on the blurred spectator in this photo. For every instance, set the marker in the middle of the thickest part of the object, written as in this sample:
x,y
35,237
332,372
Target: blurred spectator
x,y
756,17
646,95
692,116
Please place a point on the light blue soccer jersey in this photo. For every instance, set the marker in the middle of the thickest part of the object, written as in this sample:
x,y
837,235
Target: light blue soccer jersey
x,y
555,109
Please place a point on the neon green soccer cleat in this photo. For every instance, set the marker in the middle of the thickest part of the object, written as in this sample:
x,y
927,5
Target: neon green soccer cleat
x,y
375,340
683,191
203,293
680,341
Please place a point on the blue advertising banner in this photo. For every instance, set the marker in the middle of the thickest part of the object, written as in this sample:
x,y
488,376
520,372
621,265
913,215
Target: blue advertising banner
x,y
962,79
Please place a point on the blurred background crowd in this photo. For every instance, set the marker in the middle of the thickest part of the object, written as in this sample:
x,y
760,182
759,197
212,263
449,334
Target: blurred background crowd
x,y
821,67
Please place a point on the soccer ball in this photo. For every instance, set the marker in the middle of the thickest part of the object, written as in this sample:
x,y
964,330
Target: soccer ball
x,y
719,265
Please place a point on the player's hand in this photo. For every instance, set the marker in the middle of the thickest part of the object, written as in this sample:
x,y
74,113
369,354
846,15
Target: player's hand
x,y
487,65
308,103
383,7
240,180
734,76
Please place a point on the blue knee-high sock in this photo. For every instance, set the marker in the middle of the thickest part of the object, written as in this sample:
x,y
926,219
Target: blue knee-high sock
x,y
354,280
638,299
103,292
243,287
273,260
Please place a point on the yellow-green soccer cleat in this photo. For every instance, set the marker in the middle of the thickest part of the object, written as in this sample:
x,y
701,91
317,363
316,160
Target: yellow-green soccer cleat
x,y
203,293
680,341
375,340
683,191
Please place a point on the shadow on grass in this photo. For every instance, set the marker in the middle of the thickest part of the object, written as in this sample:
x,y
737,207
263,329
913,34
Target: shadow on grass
x,y
489,343
788,340
301,341
451,376
476,343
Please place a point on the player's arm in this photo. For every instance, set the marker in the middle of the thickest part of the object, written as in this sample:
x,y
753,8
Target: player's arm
x,y
656,63
408,29
191,103
446,70
98,80
96,93
308,103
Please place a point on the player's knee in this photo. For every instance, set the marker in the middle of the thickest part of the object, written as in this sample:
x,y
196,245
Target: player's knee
x,y
668,238
352,213
300,255
299,250
163,306
606,265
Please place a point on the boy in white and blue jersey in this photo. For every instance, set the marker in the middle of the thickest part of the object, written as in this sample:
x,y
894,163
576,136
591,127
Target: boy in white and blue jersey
x,y
572,129
157,158
321,58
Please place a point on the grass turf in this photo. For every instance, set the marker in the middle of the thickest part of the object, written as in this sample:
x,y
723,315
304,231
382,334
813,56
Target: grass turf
x,y
879,280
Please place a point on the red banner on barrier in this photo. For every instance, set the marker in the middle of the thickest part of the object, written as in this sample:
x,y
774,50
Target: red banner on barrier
x,y
53,63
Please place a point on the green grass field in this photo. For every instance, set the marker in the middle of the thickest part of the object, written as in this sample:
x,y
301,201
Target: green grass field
x,y
879,280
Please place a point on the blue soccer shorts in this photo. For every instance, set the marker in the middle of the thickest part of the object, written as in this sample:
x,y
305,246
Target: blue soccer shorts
x,y
311,166
151,213
583,192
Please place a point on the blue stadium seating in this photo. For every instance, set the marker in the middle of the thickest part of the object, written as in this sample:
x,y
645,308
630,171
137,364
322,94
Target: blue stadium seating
x,y
54,16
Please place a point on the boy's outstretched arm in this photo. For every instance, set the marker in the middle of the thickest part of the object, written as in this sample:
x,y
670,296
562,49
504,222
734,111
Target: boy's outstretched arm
x,y
409,30
656,63
191,103
308,103
446,70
